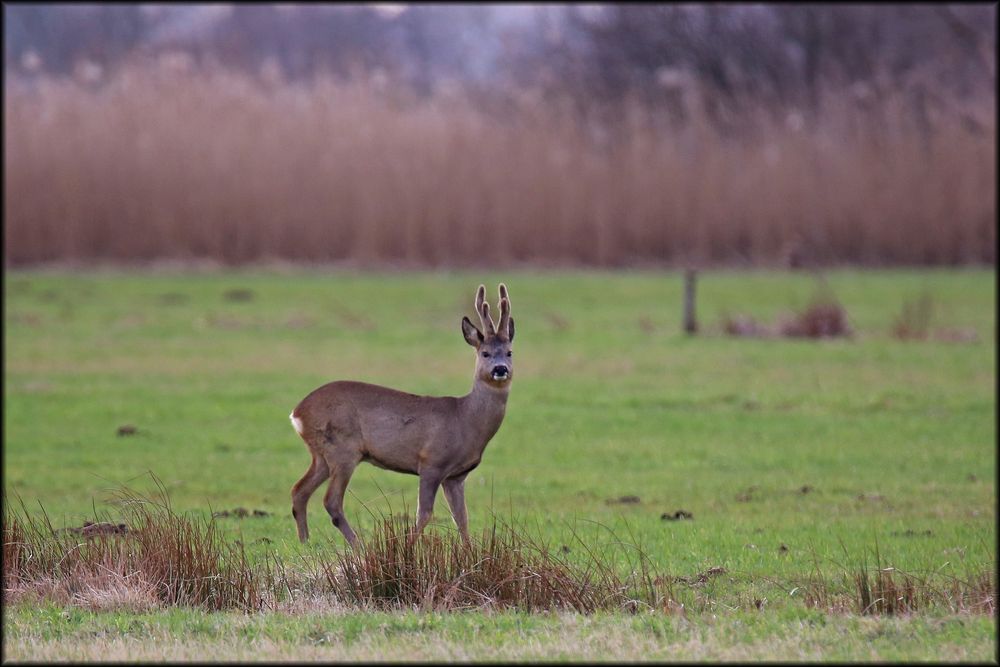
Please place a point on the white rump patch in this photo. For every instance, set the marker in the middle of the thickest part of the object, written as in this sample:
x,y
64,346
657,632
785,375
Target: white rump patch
x,y
296,423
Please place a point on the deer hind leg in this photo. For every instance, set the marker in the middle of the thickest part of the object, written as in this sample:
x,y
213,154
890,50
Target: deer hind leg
x,y
303,489
340,474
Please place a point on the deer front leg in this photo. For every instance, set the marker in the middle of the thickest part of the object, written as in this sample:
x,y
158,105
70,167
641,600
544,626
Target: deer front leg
x,y
430,480
454,491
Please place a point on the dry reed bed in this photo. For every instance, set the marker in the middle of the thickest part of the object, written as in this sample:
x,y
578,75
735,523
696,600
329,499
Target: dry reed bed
x,y
165,163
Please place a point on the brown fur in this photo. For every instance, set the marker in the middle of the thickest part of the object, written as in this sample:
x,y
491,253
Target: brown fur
x,y
439,438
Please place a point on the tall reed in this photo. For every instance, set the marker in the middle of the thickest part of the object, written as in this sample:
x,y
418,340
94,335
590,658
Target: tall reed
x,y
160,162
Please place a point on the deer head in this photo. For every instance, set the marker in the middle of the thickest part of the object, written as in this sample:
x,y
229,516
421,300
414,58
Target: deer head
x,y
494,360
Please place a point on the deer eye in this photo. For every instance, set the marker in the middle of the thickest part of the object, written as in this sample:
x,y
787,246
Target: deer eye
x,y
486,354
509,353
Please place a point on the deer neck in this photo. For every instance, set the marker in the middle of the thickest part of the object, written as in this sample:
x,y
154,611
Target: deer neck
x,y
484,408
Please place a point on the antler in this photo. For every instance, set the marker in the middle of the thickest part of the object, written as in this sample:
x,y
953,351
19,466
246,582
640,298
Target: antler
x,y
483,309
504,311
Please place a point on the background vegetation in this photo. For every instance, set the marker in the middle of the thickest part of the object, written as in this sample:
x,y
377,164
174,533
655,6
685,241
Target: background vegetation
x,y
615,137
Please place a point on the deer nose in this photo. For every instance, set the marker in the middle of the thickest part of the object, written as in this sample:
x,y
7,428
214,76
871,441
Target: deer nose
x,y
500,371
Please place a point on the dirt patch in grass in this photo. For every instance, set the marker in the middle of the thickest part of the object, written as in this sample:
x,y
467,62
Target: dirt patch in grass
x,y
957,335
240,513
172,299
91,529
238,294
702,577
624,500
557,322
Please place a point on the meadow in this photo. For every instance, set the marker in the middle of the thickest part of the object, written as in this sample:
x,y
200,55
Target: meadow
x,y
800,462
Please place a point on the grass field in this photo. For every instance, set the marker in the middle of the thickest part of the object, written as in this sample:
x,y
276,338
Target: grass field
x,y
796,458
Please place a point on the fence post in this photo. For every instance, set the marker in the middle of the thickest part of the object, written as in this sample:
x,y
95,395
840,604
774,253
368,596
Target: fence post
x,y
690,323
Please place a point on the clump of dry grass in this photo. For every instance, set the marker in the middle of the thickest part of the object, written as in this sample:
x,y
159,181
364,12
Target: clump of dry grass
x,y
884,590
159,162
914,322
888,591
823,317
502,568
163,558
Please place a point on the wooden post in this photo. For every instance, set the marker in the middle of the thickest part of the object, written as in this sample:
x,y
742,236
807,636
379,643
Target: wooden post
x,y
690,323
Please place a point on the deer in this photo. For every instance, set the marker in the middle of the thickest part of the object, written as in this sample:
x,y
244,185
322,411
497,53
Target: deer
x,y
440,439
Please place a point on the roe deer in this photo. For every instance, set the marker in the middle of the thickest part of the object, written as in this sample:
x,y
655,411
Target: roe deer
x,y
439,438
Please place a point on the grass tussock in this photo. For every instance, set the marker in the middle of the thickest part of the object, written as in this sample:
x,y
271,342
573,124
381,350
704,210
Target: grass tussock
x,y
881,589
888,591
160,161
823,317
504,568
161,559
914,321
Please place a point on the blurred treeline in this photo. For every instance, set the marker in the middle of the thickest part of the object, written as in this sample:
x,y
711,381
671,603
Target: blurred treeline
x,y
456,135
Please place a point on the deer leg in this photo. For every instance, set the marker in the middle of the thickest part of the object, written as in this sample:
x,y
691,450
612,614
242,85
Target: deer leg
x,y
430,480
340,475
454,491
303,489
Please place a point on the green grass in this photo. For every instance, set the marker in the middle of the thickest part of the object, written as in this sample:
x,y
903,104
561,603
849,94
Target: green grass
x,y
53,633
895,439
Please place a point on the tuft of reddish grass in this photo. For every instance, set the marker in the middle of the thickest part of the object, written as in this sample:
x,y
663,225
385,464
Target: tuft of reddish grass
x,y
163,558
887,591
823,317
884,590
15,547
914,322
500,569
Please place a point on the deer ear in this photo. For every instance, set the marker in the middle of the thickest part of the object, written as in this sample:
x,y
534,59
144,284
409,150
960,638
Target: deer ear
x,y
472,335
510,329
